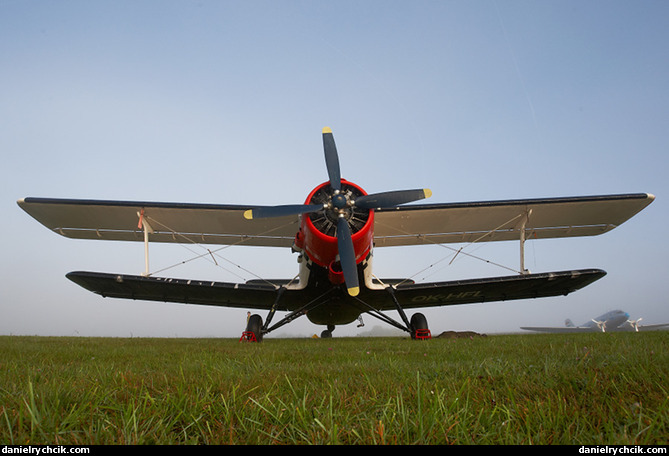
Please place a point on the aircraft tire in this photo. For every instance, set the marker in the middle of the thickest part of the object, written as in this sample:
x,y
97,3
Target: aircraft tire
x,y
418,321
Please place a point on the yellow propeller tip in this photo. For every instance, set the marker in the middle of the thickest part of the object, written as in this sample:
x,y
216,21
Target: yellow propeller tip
x,y
428,192
327,130
248,214
354,291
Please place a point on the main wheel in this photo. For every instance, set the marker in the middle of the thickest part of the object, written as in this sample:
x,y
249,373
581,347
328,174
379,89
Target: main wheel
x,y
418,322
254,325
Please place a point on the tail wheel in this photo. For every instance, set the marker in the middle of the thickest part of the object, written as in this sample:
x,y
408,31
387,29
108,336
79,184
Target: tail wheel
x,y
327,334
418,322
254,325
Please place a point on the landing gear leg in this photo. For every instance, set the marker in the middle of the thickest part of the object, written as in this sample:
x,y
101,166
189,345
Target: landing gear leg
x,y
416,327
400,310
273,309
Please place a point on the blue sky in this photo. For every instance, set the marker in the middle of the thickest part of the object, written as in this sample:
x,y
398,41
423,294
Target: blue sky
x,y
224,102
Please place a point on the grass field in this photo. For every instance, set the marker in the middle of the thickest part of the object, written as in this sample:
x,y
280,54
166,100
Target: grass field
x,y
503,389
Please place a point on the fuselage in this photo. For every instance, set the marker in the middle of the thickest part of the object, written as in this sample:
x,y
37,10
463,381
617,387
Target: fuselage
x,y
611,320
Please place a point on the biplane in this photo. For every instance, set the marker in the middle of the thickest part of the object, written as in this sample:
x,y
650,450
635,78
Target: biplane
x,y
334,234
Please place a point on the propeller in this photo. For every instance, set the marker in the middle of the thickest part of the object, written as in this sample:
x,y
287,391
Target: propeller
x,y
600,324
635,323
338,202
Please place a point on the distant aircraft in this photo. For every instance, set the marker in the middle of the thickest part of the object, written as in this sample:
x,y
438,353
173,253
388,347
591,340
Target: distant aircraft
x,y
615,320
334,233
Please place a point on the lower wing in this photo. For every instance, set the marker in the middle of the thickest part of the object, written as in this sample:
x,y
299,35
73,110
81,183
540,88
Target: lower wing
x,y
507,288
265,296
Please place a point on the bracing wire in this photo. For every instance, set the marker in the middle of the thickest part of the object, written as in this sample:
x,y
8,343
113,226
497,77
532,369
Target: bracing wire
x,y
213,254
460,251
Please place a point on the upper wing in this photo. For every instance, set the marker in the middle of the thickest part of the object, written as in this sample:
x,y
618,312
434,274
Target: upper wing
x,y
403,225
169,222
502,220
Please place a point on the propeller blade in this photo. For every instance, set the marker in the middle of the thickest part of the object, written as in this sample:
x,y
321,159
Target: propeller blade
x,y
331,159
393,198
280,211
347,256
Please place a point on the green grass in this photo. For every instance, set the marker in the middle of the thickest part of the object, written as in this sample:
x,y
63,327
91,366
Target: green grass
x,y
506,389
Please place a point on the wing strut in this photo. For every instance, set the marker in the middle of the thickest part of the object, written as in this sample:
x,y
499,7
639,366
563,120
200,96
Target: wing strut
x,y
525,219
143,224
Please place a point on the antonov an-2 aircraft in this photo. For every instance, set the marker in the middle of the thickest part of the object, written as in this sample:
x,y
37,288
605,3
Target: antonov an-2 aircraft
x,y
334,233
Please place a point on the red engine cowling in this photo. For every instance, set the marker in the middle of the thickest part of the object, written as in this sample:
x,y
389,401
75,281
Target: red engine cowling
x,y
317,235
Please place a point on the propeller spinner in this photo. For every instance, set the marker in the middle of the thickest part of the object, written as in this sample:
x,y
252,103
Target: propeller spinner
x,y
340,204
